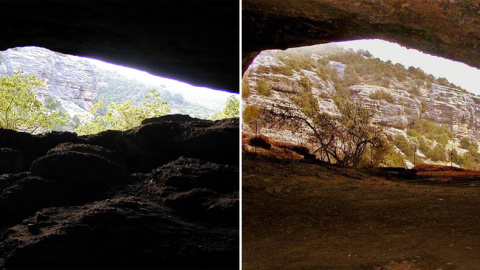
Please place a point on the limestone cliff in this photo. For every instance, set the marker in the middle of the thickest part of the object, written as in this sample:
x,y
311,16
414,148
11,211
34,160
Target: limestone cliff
x,y
70,80
399,96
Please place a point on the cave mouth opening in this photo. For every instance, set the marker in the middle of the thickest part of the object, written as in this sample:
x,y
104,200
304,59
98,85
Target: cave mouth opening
x,y
427,105
60,92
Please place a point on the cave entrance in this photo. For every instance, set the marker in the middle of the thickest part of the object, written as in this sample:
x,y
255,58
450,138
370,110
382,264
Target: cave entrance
x,y
427,106
86,95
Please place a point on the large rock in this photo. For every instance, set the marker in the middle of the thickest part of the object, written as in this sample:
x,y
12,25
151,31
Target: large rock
x,y
78,207
216,141
201,190
34,146
183,215
126,232
189,173
88,149
135,157
32,193
85,170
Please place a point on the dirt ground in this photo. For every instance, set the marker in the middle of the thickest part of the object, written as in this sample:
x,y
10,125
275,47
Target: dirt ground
x,y
308,216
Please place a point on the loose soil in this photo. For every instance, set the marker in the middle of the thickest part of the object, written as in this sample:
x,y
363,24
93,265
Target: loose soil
x,y
299,215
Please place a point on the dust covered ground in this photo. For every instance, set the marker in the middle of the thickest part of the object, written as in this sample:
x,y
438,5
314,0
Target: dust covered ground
x,y
300,215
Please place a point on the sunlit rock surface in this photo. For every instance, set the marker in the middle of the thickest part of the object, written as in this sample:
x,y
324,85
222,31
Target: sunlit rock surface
x,y
457,109
162,195
70,80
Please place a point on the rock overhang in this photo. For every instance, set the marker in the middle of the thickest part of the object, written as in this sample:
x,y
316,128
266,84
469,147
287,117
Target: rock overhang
x,y
445,28
192,41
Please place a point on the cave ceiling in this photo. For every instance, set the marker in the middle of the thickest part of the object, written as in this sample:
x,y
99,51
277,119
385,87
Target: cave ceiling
x,y
194,41
447,28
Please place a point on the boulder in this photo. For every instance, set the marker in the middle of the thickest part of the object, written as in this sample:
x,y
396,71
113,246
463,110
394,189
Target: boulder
x,y
84,170
135,157
127,232
189,173
78,207
215,141
86,148
30,194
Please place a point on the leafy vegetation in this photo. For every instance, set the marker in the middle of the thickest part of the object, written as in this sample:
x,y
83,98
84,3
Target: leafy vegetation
x,y
114,87
245,88
403,144
21,110
465,143
380,94
263,88
231,109
121,116
470,159
431,130
344,68
251,115
360,66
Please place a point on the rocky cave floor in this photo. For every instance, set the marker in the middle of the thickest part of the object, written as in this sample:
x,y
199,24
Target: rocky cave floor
x,y
161,195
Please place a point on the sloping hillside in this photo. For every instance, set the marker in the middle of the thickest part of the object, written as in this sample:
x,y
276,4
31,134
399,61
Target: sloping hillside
x,y
414,108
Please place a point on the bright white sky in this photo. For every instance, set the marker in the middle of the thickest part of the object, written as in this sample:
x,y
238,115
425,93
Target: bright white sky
x,y
201,95
144,76
455,72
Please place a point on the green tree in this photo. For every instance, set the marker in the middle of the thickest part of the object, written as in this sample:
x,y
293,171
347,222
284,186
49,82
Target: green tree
x,y
21,110
121,116
231,109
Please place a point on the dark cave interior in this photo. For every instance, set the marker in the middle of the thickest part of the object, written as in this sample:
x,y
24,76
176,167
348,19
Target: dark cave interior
x,y
192,41
445,28
162,195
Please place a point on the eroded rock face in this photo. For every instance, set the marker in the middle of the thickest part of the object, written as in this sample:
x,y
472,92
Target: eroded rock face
x,y
124,232
77,168
452,107
188,173
445,28
82,204
70,80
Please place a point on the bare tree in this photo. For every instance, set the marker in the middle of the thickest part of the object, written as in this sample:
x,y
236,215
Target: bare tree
x,y
341,140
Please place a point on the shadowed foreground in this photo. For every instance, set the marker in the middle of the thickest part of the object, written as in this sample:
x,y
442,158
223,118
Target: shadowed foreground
x,y
308,216
161,195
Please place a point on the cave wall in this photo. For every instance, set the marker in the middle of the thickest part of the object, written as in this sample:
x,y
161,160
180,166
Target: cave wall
x,y
447,28
193,41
